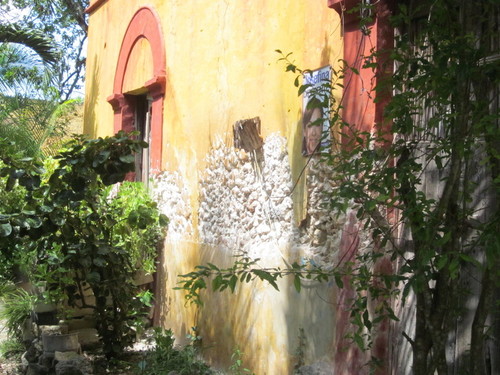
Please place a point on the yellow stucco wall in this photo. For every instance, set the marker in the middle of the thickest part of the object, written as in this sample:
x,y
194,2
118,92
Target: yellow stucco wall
x,y
222,67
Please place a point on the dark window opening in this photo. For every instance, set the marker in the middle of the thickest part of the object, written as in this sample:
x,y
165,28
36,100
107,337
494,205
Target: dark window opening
x,y
142,124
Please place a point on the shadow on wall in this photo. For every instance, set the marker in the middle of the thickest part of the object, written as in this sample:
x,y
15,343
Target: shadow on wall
x,y
90,115
298,163
310,320
239,313
326,52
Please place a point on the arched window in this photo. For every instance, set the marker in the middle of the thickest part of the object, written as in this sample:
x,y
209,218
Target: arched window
x,y
138,105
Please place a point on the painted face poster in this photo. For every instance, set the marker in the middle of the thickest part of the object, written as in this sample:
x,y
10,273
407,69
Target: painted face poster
x,y
315,125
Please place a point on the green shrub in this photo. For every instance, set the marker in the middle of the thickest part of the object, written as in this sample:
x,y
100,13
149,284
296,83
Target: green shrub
x,y
139,225
17,306
165,358
80,237
11,348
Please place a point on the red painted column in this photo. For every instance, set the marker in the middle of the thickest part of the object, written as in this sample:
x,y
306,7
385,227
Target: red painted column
x,y
365,114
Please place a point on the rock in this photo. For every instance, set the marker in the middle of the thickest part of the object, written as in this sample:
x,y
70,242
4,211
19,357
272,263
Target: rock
x,y
24,362
50,330
32,354
67,369
79,323
65,356
61,343
88,338
46,359
319,237
318,368
75,365
36,369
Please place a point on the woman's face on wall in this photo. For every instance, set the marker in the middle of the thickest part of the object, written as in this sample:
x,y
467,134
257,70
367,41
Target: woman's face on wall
x,y
313,132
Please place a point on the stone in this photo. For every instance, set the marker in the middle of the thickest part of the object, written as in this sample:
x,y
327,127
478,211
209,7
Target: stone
x,y
61,343
50,329
36,369
46,359
65,356
88,338
66,369
318,368
31,354
79,323
76,365
24,362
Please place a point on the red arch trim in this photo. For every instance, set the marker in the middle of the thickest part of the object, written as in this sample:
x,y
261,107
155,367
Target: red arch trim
x,y
144,24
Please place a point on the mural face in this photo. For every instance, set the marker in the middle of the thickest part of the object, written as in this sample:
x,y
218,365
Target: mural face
x,y
312,131
316,133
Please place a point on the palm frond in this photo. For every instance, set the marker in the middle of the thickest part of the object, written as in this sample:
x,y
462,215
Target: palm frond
x,y
33,39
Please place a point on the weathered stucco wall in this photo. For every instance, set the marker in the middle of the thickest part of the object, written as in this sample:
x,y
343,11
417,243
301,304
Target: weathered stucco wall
x,y
246,205
221,67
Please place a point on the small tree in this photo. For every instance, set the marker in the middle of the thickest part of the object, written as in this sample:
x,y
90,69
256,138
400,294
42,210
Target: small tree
x,y
78,237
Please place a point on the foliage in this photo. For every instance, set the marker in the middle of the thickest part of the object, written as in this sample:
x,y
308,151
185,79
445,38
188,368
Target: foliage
x,y
245,269
17,305
141,227
13,163
432,231
11,348
34,75
27,59
237,366
28,98
29,123
64,21
74,230
165,358
31,38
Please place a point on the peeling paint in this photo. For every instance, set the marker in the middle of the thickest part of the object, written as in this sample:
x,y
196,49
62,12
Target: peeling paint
x,y
171,194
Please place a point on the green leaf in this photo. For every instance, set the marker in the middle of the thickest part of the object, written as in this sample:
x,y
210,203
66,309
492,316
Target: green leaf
x,y
11,182
303,88
217,282
57,218
100,262
102,157
338,281
359,341
213,266
232,282
128,159
297,283
45,209
93,277
264,275
34,222
5,229
163,220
